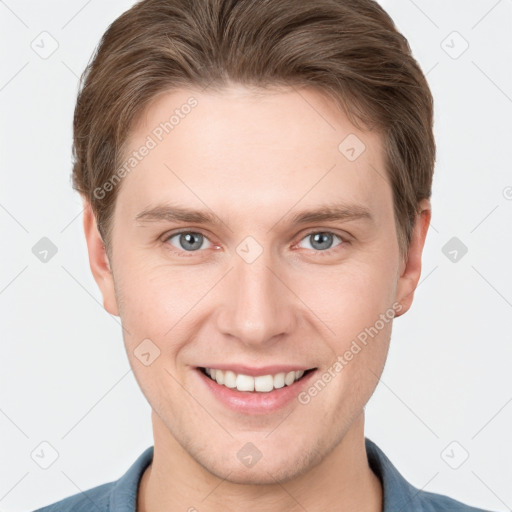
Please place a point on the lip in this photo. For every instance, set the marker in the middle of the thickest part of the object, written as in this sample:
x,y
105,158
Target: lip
x,y
252,402
257,372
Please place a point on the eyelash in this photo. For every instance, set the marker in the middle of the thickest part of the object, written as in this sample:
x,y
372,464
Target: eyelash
x,y
327,252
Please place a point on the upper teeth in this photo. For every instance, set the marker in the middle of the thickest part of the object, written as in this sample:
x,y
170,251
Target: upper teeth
x,y
263,383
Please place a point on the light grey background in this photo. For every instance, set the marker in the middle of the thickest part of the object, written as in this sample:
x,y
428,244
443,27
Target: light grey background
x,y
446,391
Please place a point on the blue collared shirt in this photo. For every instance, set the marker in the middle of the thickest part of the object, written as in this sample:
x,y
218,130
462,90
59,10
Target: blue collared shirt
x,y
398,494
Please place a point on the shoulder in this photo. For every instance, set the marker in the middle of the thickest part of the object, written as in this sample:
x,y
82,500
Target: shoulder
x,y
97,499
432,502
399,494
118,495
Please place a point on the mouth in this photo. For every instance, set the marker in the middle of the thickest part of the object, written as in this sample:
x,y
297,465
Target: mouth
x,y
254,384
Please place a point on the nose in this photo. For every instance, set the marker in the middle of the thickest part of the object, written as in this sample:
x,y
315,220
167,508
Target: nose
x,y
257,305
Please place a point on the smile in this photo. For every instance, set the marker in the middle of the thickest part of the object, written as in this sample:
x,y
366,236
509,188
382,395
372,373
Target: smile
x,y
260,384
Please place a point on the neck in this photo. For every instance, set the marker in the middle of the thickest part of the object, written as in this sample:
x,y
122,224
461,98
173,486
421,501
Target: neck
x,y
342,481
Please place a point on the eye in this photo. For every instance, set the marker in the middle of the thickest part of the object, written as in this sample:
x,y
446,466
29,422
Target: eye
x,y
192,241
187,241
321,241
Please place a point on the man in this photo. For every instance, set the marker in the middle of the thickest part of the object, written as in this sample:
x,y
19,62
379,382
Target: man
x,y
256,178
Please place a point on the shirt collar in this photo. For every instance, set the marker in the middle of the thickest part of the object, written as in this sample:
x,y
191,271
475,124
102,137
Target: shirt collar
x,y
124,494
397,492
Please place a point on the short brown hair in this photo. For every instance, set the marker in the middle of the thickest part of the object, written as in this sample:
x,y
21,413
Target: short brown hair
x,y
348,49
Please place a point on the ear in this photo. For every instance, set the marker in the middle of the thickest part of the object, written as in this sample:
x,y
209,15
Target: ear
x,y
410,270
98,260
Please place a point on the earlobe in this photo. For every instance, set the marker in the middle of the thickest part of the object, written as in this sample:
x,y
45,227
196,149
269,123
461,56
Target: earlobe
x,y
98,260
411,268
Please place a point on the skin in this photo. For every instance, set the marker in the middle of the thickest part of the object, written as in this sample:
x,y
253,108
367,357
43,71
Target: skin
x,y
255,160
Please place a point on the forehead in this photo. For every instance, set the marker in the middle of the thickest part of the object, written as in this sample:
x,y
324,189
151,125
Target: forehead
x,y
249,151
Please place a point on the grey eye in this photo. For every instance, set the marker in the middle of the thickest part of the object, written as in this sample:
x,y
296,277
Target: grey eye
x,y
321,240
188,240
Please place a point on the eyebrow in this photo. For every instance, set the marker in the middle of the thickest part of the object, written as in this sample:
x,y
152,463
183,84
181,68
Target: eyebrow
x,y
324,213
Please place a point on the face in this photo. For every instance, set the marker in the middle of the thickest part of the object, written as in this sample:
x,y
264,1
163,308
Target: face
x,y
259,284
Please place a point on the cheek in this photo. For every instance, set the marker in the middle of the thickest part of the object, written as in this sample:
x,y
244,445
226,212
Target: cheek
x,y
355,305
349,297
156,311
155,296
165,305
